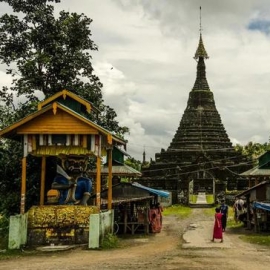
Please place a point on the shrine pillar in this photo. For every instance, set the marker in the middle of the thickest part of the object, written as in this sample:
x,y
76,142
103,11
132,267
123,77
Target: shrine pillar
x,y
23,186
42,184
98,182
109,156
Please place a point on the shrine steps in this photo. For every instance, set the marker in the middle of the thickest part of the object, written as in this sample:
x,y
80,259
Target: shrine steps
x,y
201,205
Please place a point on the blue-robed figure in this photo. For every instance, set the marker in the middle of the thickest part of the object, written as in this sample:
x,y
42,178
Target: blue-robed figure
x,y
72,190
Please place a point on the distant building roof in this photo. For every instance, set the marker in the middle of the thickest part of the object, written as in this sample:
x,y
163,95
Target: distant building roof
x,y
252,188
256,171
118,170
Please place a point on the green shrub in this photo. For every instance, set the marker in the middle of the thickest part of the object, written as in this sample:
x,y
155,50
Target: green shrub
x,y
193,198
4,227
259,239
209,211
110,241
210,198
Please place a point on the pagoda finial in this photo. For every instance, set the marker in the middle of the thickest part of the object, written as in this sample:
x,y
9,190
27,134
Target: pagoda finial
x,y
144,155
201,52
200,19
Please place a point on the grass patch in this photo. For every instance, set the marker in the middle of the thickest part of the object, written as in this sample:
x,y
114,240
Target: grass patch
x,y
209,211
233,225
231,222
178,210
193,198
210,198
258,239
6,254
110,241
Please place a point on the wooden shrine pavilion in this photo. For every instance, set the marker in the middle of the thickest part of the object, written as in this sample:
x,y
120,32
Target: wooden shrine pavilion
x,y
61,126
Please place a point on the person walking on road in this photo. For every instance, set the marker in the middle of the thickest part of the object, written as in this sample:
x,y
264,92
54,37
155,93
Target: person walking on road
x,y
224,211
217,232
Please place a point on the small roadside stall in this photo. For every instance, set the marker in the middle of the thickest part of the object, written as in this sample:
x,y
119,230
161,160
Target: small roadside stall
x,y
261,216
259,192
259,173
258,206
136,208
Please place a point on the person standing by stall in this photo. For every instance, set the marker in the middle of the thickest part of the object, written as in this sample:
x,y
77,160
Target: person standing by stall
x,y
238,208
217,231
224,211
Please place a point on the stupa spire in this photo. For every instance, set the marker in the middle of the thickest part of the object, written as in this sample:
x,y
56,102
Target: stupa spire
x,y
201,54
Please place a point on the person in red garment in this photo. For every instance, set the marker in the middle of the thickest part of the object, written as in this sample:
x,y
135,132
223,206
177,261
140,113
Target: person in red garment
x,y
217,232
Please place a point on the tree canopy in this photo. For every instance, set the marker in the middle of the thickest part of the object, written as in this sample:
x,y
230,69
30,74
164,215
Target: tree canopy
x,y
50,53
252,150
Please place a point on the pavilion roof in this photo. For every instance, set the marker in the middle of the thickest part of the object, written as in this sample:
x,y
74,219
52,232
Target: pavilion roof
x,y
10,132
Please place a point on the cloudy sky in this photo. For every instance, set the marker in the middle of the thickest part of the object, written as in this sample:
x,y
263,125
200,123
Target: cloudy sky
x,y
151,43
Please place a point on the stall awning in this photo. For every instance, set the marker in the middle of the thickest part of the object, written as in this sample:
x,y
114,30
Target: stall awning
x,y
158,192
263,206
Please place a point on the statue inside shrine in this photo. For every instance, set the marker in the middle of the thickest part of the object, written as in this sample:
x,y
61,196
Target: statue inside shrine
x,y
70,186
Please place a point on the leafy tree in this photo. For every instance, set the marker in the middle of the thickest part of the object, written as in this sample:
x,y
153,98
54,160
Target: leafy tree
x,y
252,150
44,52
50,53
10,178
132,162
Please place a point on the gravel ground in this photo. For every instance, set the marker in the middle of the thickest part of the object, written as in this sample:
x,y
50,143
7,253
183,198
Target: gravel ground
x,y
182,244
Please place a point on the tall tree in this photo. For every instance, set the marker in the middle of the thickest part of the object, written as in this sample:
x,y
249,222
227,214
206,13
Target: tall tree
x,y
50,53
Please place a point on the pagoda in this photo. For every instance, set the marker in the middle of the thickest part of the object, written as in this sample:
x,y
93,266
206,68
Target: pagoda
x,y
200,157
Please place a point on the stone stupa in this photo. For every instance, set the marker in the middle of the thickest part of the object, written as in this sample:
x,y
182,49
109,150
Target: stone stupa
x,y
200,157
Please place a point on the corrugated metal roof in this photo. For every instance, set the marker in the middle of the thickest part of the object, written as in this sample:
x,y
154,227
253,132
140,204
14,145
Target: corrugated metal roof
x,y
256,171
122,151
252,188
119,170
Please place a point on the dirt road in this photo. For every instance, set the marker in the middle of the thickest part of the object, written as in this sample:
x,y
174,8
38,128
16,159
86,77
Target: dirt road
x,y
182,244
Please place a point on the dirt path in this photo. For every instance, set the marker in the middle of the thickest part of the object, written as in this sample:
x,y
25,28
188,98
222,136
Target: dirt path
x,y
182,244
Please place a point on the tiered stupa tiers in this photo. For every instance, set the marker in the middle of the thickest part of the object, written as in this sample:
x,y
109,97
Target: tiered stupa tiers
x,y
201,128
